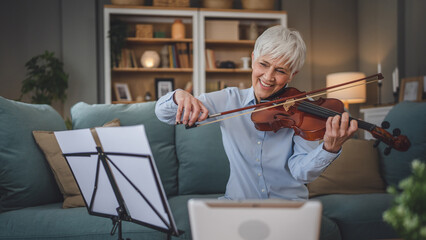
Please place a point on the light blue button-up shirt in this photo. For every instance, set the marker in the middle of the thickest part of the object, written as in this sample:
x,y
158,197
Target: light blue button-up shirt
x,y
263,164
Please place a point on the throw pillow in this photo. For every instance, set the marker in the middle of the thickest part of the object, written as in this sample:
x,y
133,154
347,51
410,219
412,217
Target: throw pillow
x,y
410,118
355,171
47,142
25,177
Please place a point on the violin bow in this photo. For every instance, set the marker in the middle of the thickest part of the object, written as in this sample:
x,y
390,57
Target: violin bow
x,y
290,100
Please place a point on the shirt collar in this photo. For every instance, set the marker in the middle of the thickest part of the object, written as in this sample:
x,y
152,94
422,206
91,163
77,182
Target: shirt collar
x,y
250,98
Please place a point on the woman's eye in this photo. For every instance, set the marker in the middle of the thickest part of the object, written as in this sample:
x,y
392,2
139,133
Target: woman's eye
x,y
263,64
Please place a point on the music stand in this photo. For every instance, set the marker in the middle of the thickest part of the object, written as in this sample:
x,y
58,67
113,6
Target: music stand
x,y
120,179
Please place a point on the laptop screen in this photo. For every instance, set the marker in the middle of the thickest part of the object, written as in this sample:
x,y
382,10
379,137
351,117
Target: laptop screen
x,y
270,219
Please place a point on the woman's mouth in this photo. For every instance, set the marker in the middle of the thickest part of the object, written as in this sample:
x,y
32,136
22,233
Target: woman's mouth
x,y
264,84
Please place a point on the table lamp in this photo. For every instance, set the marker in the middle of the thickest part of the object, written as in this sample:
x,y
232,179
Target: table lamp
x,y
348,95
150,59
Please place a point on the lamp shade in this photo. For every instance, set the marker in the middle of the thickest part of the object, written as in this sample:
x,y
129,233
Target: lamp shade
x,y
348,95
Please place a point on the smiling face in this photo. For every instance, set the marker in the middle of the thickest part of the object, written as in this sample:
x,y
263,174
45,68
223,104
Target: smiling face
x,y
268,76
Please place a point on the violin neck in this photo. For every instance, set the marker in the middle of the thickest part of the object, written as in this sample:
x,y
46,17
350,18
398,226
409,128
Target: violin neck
x,y
322,112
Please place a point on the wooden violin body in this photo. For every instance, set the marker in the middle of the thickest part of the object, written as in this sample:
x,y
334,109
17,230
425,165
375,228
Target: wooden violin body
x,y
308,119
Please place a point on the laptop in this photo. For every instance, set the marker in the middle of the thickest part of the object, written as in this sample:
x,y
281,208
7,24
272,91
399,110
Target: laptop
x,y
271,219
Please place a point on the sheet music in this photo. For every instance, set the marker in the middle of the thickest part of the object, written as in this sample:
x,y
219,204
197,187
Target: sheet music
x,y
84,169
140,171
132,139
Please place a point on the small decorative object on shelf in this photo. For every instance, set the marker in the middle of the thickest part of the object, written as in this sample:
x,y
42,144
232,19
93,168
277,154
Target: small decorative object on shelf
x,y
122,92
148,96
163,86
227,64
150,59
246,62
159,34
178,29
144,30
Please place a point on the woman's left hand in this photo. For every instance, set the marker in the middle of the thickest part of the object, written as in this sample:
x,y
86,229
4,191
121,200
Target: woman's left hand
x,y
337,131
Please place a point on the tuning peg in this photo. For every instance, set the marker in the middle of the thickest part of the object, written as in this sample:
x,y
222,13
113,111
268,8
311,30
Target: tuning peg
x,y
387,150
376,143
396,132
385,124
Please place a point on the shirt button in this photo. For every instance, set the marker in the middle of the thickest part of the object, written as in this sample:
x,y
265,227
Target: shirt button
x,y
263,190
257,160
259,174
259,142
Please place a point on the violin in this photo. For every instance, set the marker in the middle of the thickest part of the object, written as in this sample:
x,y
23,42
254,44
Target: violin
x,y
308,119
294,109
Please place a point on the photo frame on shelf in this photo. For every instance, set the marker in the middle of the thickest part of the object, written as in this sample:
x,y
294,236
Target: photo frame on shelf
x,y
122,92
411,89
163,86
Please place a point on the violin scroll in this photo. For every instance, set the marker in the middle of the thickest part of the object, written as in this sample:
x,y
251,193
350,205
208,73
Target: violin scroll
x,y
394,140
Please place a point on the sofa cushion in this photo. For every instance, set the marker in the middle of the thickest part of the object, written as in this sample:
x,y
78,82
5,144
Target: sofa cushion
x,y
46,140
53,222
25,176
359,216
161,136
203,164
356,170
410,118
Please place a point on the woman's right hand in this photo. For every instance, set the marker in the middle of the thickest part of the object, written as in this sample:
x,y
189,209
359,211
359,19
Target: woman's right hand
x,y
190,107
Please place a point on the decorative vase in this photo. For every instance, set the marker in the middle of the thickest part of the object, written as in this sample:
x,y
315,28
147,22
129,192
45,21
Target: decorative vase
x,y
150,59
178,29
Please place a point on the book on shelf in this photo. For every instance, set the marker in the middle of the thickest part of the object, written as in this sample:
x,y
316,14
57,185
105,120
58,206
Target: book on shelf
x,y
183,56
190,55
128,59
210,59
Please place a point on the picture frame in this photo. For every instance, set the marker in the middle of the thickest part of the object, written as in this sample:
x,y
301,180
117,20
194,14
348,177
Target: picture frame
x,y
122,92
411,89
163,86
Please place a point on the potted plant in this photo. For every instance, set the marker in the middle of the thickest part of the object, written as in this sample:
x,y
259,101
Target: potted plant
x,y
117,37
408,214
46,79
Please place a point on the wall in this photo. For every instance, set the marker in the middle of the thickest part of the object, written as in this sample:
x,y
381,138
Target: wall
x,y
67,28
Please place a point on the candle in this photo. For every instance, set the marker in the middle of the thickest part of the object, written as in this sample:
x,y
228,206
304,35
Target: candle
x,y
379,68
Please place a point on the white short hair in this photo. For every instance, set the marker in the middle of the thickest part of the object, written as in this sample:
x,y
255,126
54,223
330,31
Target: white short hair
x,y
283,44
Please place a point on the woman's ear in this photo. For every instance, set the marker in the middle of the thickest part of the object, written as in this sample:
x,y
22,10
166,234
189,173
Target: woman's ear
x,y
252,60
292,76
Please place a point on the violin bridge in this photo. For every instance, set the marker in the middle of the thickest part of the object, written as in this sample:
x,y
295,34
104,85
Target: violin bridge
x,y
289,103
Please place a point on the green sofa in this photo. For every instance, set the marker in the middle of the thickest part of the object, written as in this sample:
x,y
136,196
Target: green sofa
x,y
191,163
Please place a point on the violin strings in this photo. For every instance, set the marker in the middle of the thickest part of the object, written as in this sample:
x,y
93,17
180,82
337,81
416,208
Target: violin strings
x,y
287,102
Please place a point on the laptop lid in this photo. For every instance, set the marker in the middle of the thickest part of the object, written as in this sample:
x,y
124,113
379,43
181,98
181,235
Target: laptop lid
x,y
271,219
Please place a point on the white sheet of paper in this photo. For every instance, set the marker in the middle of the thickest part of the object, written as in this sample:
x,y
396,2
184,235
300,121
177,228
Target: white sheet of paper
x,y
133,140
84,169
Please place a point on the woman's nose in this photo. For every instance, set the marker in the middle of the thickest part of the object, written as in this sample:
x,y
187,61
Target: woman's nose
x,y
269,74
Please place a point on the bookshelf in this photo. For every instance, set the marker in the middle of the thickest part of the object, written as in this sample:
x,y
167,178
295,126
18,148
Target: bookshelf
x,y
231,49
142,80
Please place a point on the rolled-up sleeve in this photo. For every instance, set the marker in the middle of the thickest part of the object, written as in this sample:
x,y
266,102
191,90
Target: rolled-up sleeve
x,y
166,108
